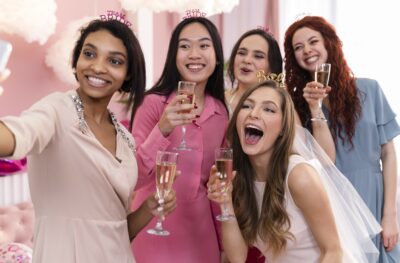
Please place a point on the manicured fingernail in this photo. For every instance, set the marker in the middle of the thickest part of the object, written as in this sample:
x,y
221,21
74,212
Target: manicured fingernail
x,y
195,106
194,121
197,116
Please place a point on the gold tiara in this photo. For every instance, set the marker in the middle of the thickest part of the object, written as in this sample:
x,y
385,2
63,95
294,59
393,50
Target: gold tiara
x,y
278,78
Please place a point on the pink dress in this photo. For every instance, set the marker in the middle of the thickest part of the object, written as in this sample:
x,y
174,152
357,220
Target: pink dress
x,y
194,236
80,191
304,247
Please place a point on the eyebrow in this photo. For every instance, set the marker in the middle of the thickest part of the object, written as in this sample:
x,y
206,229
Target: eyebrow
x,y
254,51
111,52
309,39
260,51
195,39
263,102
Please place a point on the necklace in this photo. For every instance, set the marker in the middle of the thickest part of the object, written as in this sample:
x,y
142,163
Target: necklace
x,y
83,127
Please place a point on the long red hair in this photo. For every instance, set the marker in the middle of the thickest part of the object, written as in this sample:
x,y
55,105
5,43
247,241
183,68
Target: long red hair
x,y
345,105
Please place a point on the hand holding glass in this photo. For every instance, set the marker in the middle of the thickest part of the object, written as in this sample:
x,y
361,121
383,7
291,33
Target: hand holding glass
x,y
165,174
223,163
322,73
185,88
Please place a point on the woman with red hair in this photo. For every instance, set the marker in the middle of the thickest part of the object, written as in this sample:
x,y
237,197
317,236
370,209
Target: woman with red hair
x,y
360,127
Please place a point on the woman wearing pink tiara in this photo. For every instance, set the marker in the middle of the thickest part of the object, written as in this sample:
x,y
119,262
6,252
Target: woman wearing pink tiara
x,y
195,55
81,161
360,124
255,51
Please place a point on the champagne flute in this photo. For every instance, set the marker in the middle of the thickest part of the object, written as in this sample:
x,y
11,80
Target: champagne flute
x,y
223,163
185,88
322,73
165,174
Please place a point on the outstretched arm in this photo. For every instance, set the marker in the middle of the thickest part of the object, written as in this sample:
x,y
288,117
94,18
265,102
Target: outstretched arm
x,y
309,195
7,141
390,227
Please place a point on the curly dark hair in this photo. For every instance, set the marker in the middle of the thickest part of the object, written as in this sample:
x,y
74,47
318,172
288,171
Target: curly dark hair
x,y
343,99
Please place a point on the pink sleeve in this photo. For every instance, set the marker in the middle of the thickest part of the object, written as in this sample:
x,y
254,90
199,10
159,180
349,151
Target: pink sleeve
x,y
148,137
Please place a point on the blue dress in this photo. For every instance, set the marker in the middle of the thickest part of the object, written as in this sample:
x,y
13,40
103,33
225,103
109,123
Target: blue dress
x,y
361,165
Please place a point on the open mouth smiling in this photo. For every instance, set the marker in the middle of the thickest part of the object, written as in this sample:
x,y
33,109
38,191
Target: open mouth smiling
x,y
253,134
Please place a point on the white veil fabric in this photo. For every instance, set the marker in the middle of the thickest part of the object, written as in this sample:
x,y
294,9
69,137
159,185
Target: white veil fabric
x,y
355,223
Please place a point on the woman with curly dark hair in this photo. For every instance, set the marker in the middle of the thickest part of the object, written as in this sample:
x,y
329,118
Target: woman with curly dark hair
x,y
360,125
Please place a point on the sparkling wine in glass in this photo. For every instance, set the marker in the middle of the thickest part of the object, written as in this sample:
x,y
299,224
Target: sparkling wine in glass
x,y
224,165
185,88
165,174
322,73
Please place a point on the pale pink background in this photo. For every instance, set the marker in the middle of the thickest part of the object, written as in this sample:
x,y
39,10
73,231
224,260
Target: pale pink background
x,y
31,79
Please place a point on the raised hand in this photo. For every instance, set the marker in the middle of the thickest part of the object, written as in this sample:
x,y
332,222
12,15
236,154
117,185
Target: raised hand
x,y
173,115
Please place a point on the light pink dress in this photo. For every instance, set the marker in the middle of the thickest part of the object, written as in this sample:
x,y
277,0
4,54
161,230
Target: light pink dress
x,y
304,248
192,225
81,193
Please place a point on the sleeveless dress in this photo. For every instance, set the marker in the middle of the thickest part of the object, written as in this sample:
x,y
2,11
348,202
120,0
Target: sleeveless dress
x,y
303,248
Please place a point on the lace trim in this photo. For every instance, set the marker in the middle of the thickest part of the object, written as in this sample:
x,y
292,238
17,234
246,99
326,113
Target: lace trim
x,y
83,127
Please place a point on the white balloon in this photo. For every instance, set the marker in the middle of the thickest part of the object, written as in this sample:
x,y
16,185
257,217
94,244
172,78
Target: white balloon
x,y
34,20
59,55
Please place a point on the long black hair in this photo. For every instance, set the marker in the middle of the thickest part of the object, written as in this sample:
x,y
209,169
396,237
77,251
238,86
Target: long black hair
x,y
170,76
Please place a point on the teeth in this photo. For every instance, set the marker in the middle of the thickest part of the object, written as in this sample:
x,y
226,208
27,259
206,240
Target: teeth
x,y
96,81
253,127
311,59
195,66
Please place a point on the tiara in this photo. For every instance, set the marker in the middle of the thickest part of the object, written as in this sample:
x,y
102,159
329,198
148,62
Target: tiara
x,y
193,13
266,30
278,78
114,15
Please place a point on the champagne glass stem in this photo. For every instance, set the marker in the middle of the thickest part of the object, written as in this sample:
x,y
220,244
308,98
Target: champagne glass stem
x,y
225,211
183,142
159,223
320,108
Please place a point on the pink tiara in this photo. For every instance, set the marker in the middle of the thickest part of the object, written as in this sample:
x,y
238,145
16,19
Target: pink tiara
x,y
193,13
266,30
114,15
